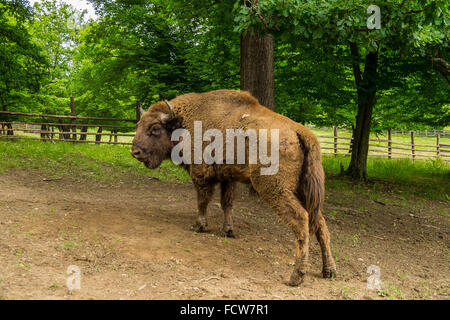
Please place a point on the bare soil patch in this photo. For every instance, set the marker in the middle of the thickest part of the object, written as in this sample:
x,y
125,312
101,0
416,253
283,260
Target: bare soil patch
x,y
131,240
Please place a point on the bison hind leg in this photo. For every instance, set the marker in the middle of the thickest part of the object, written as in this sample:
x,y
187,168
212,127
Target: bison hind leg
x,y
289,209
227,193
323,236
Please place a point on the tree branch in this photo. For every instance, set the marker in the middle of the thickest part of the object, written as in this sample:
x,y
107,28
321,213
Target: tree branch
x,y
441,65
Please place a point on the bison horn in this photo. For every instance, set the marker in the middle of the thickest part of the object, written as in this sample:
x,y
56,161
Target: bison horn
x,y
142,111
170,108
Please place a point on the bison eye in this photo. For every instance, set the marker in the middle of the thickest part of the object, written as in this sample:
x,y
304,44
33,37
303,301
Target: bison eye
x,y
156,131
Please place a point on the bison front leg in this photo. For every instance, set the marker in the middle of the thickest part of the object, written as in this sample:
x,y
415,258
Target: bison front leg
x,y
227,192
204,195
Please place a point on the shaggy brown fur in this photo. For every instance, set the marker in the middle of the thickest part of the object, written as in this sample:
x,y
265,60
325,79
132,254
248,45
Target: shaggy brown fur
x,y
295,192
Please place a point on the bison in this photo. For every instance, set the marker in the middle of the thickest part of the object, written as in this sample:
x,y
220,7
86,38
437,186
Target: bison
x,y
295,192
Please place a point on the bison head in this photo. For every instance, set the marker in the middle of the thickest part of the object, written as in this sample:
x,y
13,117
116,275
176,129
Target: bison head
x,y
152,143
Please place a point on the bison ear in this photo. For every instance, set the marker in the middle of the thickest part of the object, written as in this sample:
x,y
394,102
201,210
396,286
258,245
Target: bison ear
x,y
175,123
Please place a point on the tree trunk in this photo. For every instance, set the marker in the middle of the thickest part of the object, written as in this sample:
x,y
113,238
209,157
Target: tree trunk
x,y
366,89
52,134
10,131
257,67
98,137
61,136
44,136
83,137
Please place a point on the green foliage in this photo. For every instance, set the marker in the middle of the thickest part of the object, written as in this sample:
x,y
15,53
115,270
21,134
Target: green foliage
x,y
21,63
149,50
314,67
55,29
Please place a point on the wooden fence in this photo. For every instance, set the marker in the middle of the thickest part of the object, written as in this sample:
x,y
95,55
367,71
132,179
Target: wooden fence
x,y
70,129
424,133
388,148
67,128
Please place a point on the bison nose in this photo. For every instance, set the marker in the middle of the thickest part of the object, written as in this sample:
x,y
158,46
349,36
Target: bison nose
x,y
135,152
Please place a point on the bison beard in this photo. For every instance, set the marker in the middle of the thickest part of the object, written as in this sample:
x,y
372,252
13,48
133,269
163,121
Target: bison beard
x,y
295,193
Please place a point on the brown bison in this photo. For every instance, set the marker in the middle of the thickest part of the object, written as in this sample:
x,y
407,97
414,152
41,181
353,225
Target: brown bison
x,y
295,191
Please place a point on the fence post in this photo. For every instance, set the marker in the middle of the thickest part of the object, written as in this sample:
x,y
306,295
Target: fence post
x,y
389,143
413,151
72,121
438,145
335,133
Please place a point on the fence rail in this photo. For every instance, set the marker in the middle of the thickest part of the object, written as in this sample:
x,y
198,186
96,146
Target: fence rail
x,y
69,130
388,147
66,128
417,133
64,117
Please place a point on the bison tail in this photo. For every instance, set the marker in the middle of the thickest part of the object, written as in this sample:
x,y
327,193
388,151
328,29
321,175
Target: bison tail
x,y
311,188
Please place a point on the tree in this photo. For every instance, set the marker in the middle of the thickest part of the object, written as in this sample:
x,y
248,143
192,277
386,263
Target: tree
x,y
55,28
21,63
410,27
257,71
156,50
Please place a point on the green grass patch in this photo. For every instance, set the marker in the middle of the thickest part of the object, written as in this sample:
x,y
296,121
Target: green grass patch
x,y
428,179
102,162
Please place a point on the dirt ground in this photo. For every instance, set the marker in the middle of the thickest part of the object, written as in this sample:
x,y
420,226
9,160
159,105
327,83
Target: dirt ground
x,y
131,240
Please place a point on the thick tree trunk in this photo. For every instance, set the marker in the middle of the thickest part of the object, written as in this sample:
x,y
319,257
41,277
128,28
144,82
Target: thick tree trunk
x,y
257,67
366,88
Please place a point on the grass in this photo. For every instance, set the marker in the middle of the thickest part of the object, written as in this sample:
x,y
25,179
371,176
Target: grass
x,y
102,162
428,179
391,291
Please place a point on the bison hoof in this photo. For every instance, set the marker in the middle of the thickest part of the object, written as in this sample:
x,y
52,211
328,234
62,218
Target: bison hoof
x,y
198,228
297,277
228,234
329,273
